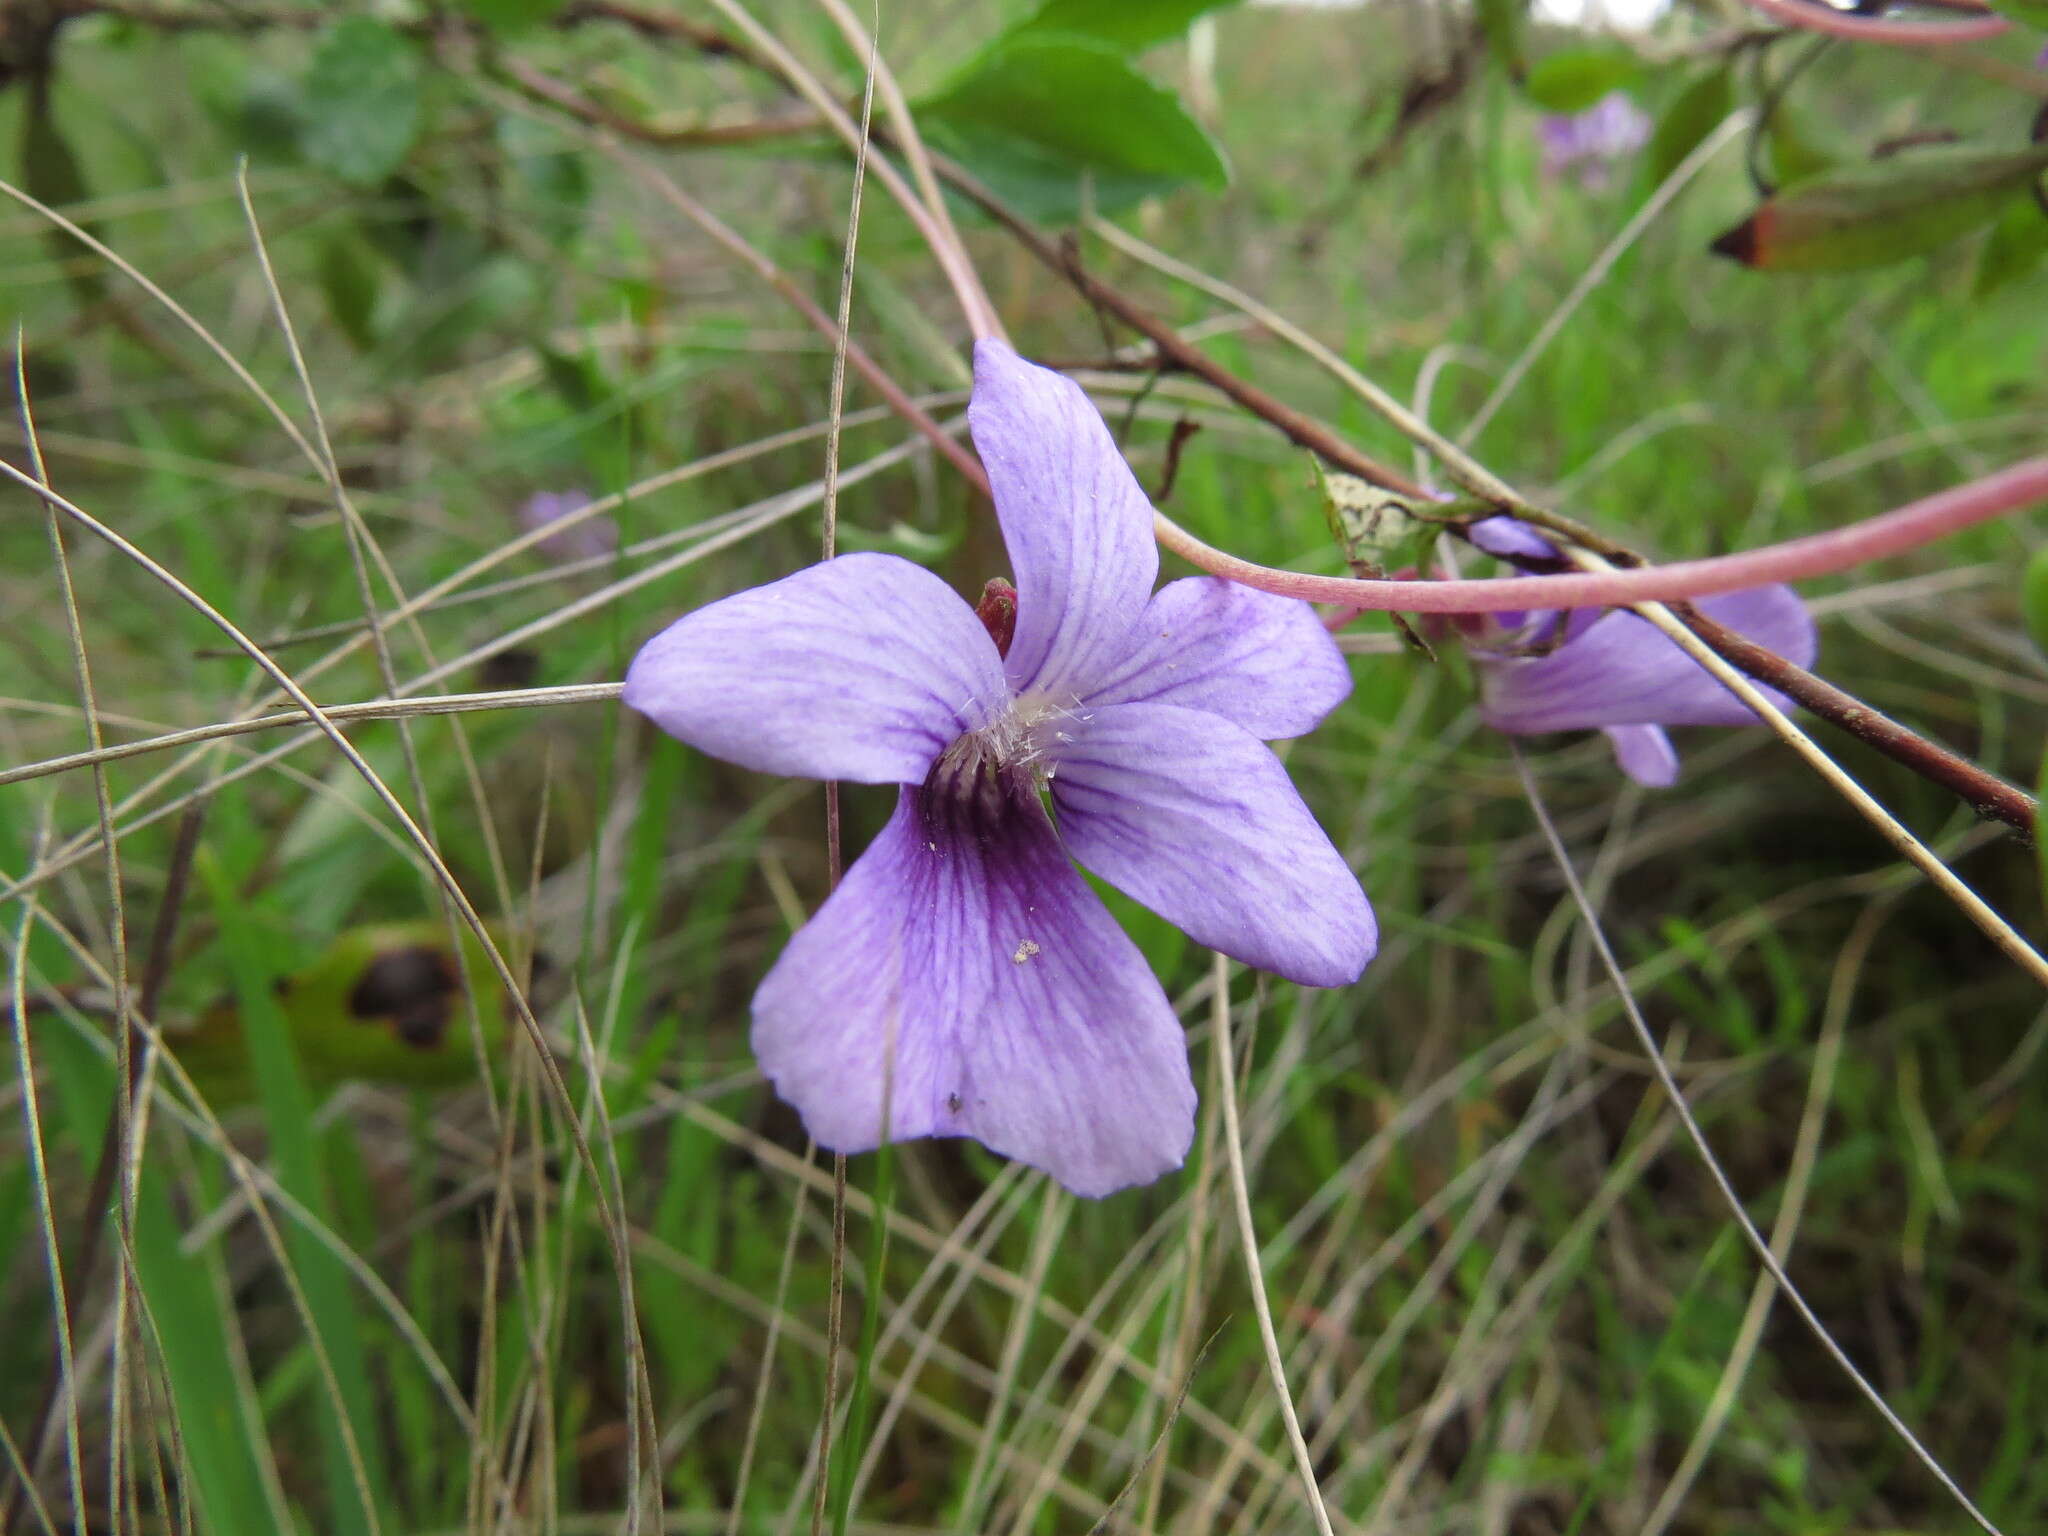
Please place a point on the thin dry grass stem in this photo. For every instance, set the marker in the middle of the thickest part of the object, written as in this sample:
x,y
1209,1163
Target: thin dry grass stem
x,y
255,1185
34,1497
1820,1088
470,916
777,1311
123,1107
1045,1238
1653,207
251,1180
362,549
184,317
46,1218
915,155
949,253
1233,1151
1996,928
643,1468
1191,1304
829,539
1765,1255
1073,1410
367,709
761,515
769,1155
985,1222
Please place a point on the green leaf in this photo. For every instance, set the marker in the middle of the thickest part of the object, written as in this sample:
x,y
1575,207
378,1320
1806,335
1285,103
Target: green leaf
x,y
1693,114
2014,247
1033,115
513,15
1129,26
1794,152
362,101
1577,78
1378,531
348,281
1871,215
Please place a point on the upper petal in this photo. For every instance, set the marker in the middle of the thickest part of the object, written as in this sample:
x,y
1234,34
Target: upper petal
x,y
1259,659
1623,671
1195,817
969,976
1079,529
863,668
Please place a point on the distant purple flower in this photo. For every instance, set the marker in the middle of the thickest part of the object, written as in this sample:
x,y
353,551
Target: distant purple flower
x,y
1592,142
963,974
1617,673
584,541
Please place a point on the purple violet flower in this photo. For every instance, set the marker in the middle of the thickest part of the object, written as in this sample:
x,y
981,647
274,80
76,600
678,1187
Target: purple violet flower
x,y
1617,673
1594,141
964,979
583,541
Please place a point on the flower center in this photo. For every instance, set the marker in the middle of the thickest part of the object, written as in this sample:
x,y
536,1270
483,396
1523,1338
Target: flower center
x,y
1004,764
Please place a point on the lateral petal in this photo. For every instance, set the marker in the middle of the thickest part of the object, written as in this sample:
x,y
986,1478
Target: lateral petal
x,y
1620,670
1195,817
864,668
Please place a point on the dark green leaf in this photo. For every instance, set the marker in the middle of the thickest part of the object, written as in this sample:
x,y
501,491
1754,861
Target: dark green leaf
x,y
362,101
51,173
348,280
1871,215
1129,26
1042,111
1577,78
1693,114
2014,247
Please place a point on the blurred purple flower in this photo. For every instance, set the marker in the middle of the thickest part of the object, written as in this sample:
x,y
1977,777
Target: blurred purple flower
x,y
1594,141
586,540
964,980
1617,673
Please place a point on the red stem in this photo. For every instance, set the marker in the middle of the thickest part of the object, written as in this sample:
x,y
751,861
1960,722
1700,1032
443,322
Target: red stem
x,y
1908,527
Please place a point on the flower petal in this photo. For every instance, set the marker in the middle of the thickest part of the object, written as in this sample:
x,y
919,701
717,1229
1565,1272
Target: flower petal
x,y
1506,538
1195,817
865,668
1622,671
1018,1011
1078,527
1261,660
1645,754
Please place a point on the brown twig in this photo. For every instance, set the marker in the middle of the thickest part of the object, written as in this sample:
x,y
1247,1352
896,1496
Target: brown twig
x,y
1183,429
1983,791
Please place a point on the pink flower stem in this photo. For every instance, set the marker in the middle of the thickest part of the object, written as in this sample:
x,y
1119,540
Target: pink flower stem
x,y
1816,16
1891,533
